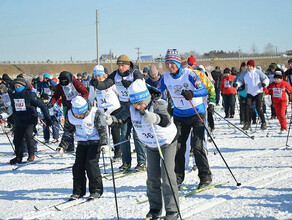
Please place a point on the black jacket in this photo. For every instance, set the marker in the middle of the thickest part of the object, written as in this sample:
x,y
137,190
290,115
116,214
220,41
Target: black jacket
x,y
28,115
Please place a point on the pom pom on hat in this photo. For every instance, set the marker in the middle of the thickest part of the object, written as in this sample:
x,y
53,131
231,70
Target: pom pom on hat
x,y
79,105
98,70
138,91
123,59
251,63
192,60
173,56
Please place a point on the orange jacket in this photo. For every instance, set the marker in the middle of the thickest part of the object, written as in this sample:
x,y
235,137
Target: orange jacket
x,y
278,91
226,85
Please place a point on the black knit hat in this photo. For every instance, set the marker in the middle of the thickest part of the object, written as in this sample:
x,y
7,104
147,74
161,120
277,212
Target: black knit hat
x,y
290,60
227,70
20,81
278,74
44,96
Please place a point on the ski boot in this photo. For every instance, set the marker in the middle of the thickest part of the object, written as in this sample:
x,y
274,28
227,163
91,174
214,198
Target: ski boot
x,y
153,214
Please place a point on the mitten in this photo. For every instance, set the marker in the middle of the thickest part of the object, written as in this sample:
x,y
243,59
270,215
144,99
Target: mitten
x,y
264,85
104,148
234,85
126,83
106,120
151,118
188,94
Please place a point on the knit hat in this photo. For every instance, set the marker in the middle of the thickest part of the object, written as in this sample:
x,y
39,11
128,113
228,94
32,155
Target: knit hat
x,y
79,105
290,60
192,60
251,63
98,70
47,75
273,66
65,78
138,91
233,69
44,96
153,70
226,70
278,74
146,70
79,74
123,59
20,81
173,56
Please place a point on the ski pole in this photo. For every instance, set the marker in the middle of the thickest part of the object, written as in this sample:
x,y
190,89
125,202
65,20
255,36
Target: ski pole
x,y
252,137
112,170
104,170
237,183
3,129
162,158
289,129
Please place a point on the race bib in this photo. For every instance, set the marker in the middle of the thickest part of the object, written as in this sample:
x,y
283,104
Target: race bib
x,y
20,105
277,92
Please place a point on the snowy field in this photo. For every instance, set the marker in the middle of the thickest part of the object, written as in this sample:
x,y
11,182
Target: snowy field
x,y
263,167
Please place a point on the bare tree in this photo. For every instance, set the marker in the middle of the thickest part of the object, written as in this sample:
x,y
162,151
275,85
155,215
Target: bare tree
x,y
269,49
254,49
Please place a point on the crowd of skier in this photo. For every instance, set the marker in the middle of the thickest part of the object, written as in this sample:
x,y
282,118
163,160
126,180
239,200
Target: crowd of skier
x,y
169,112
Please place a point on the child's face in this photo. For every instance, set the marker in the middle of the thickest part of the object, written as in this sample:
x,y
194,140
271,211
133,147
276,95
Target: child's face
x,y
140,107
45,100
100,78
79,115
277,80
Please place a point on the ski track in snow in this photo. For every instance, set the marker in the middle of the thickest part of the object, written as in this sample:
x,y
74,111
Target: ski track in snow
x,y
262,166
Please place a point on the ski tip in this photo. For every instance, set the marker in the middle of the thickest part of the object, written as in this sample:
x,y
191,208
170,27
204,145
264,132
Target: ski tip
x,y
252,137
238,184
57,208
36,208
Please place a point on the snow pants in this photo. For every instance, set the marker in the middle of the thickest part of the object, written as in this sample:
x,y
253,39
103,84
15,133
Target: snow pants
x,y
229,104
280,108
184,126
248,108
156,190
87,161
20,132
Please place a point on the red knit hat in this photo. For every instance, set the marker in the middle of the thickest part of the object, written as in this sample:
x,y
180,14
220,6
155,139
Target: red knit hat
x,y
250,63
192,60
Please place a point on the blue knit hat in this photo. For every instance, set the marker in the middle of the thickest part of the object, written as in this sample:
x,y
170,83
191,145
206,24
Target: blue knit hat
x,y
79,105
173,56
47,75
138,91
98,70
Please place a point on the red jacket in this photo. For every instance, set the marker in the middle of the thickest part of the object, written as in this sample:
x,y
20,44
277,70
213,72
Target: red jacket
x,y
226,85
278,91
59,92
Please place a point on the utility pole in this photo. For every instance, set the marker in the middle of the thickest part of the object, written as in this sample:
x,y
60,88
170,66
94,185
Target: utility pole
x,y
138,58
239,50
97,39
111,59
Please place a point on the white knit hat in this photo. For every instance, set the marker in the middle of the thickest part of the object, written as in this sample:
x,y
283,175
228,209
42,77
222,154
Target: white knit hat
x,y
138,91
79,105
98,70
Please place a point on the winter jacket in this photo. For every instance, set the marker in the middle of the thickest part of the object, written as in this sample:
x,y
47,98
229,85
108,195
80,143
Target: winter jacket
x,y
24,106
78,86
217,75
278,91
226,85
69,131
288,76
253,81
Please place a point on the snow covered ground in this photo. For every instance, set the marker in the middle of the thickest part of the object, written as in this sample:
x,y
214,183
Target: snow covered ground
x,y
262,166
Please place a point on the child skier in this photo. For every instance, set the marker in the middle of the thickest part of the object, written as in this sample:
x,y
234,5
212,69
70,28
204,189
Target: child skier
x,y
146,109
278,90
107,101
84,121
56,116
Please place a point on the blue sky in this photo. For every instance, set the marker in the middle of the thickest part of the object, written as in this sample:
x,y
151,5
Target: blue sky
x,y
36,30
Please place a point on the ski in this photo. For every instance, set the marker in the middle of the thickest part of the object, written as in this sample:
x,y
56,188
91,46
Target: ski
x,y
50,206
201,190
24,164
125,174
72,203
187,194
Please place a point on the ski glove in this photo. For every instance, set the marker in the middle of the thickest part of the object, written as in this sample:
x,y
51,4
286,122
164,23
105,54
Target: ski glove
x,y
151,118
234,85
106,120
264,85
126,83
211,108
104,148
188,94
